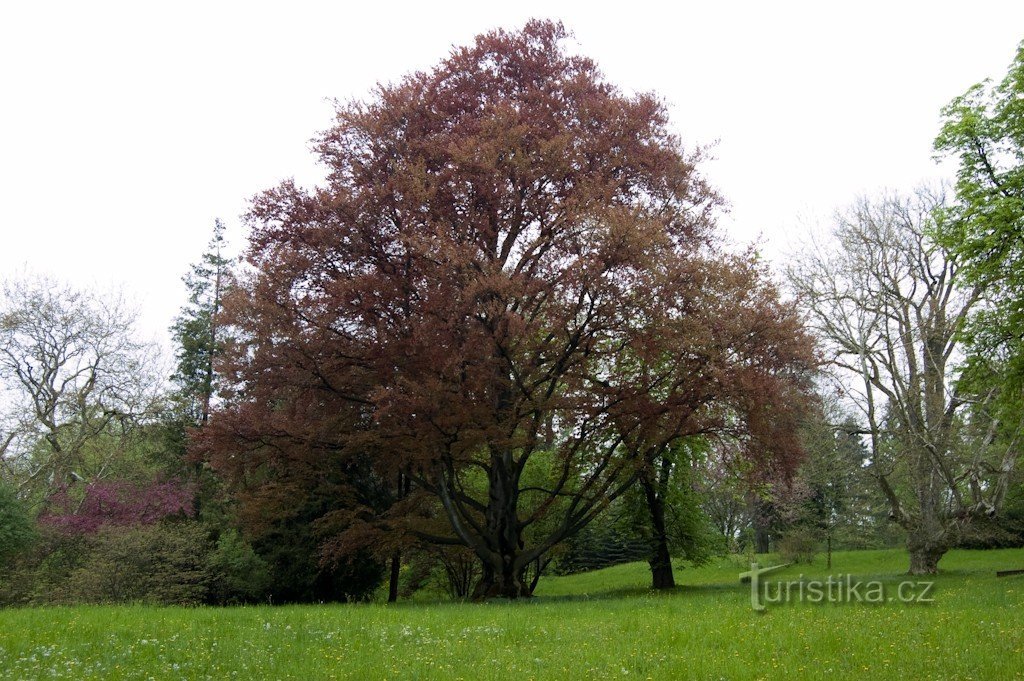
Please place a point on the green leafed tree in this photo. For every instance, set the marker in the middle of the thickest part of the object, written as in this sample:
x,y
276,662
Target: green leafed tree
x,y
672,520
984,130
196,330
16,528
831,499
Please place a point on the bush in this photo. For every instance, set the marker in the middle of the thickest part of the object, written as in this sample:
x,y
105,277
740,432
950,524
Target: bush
x,y
300,575
238,575
1005,530
38,575
165,563
798,546
600,545
16,528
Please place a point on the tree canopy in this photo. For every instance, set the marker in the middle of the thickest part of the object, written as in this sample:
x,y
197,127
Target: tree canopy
x,y
891,304
984,130
72,375
509,290
195,329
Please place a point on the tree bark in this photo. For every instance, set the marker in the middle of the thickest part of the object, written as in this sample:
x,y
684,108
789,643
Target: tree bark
x,y
761,521
925,561
503,583
662,576
761,539
501,576
396,566
924,555
930,528
660,559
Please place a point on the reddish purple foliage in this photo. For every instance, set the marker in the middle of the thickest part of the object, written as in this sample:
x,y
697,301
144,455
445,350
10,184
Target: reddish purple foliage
x,y
116,503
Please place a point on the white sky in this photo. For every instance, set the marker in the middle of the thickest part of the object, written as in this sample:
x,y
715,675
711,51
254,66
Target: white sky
x,y
126,128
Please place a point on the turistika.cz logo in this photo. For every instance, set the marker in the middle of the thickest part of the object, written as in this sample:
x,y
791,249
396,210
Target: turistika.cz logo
x,y
833,589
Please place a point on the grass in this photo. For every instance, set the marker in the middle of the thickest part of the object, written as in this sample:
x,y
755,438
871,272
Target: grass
x,y
599,625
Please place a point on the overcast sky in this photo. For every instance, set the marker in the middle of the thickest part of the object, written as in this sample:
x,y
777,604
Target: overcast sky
x,y
125,129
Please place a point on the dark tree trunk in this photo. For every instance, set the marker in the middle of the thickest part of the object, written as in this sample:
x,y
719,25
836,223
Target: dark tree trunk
x,y
761,539
482,587
504,583
829,544
662,576
401,491
539,566
660,558
501,576
762,521
396,566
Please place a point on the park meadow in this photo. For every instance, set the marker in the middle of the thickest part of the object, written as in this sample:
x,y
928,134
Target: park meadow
x,y
597,625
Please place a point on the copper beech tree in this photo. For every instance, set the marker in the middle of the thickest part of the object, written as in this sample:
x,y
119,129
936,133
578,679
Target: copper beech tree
x,y
508,298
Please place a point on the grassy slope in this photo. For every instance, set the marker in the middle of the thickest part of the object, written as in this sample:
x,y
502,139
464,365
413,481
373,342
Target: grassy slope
x,y
597,625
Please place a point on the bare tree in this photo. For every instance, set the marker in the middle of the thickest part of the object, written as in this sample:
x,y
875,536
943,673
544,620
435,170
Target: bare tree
x,y
890,304
71,373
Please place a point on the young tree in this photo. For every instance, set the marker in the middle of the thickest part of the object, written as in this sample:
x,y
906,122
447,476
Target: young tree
x,y
723,492
759,413
72,374
671,520
830,484
196,330
509,291
891,303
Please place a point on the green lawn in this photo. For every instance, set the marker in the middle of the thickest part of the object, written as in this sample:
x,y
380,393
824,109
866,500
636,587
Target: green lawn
x,y
599,625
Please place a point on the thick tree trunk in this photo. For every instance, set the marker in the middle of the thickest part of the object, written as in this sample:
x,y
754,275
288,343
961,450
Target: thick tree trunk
x,y
501,576
929,532
482,587
660,558
503,583
924,556
662,576
396,567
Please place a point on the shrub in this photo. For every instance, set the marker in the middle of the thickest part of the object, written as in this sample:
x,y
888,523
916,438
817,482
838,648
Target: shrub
x,y
16,528
164,563
237,574
38,575
299,574
798,546
84,510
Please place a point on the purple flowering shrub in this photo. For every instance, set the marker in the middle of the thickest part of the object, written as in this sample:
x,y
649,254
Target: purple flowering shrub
x,y
116,504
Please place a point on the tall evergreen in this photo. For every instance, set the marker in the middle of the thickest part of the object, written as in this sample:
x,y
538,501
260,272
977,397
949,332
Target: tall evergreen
x,y
196,330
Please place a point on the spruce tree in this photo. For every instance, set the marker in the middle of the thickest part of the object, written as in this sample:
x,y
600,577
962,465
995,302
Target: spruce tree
x,y
196,331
